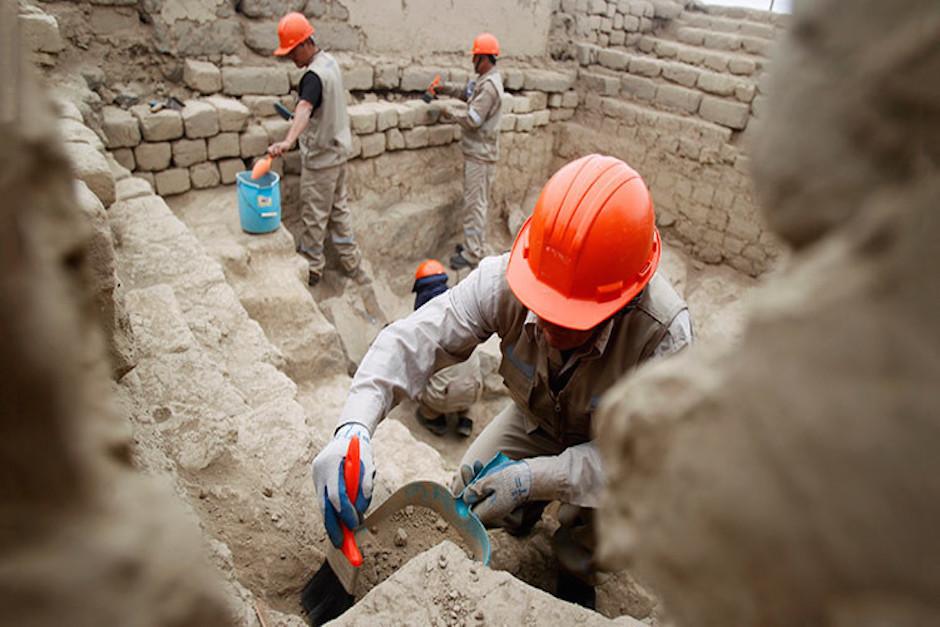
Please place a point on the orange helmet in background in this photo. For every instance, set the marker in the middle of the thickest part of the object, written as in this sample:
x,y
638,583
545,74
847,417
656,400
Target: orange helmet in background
x,y
486,43
292,30
429,267
590,246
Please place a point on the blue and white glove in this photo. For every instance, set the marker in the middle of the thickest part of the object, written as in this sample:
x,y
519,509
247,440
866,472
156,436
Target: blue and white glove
x,y
331,486
494,494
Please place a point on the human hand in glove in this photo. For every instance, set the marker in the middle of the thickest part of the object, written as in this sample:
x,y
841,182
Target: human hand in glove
x,y
331,485
495,494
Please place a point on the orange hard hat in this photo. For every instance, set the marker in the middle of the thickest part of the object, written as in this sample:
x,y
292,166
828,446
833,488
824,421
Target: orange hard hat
x,y
429,267
486,43
292,30
589,247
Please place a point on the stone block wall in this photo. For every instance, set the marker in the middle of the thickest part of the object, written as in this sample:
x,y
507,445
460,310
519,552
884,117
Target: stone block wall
x,y
675,95
674,91
233,121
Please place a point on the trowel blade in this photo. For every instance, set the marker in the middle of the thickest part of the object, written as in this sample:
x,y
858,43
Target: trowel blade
x,y
438,499
345,572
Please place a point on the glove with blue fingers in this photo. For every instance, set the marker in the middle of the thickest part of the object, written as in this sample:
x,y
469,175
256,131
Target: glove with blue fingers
x,y
330,483
495,490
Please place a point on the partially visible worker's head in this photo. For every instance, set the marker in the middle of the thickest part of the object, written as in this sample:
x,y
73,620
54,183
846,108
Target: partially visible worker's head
x,y
564,339
485,52
589,248
295,39
430,281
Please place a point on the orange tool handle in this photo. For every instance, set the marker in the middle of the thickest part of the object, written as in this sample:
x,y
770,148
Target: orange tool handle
x,y
434,83
351,476
262,167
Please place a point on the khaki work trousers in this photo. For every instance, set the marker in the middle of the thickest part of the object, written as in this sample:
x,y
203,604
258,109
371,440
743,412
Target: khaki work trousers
x,y
453,390
574,542
477,182
324,205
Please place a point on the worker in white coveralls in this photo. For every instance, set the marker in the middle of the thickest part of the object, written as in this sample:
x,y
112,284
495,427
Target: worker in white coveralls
x,y
452,390
480,144
577,304
321,123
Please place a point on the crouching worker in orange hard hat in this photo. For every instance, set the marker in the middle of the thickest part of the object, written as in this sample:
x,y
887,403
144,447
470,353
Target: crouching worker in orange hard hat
x,y
451,391
480,145
577,304
321,124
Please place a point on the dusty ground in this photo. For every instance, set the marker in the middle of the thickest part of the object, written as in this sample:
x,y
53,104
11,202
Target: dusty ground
x,y
399,539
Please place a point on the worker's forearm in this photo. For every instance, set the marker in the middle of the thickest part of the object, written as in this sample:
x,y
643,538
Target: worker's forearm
x,y
574,476
452,90
301,119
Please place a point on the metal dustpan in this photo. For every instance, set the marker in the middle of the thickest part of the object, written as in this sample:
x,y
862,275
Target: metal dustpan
x,y
427,494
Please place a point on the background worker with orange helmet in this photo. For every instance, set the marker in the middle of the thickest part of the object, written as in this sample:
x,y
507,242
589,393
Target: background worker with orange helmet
x,y
577,304
480,145
451,391
321,124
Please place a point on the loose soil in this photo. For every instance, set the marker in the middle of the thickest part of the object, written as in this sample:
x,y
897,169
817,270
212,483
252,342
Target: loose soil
x,y
401,537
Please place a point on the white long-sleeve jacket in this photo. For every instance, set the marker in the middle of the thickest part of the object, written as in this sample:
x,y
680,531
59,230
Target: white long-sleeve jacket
x,y
445,331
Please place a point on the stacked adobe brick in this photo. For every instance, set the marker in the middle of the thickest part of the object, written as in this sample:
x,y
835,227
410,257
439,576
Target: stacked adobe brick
x,y
674,91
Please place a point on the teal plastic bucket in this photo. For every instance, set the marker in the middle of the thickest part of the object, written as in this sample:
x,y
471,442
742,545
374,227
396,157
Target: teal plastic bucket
x,y
259,202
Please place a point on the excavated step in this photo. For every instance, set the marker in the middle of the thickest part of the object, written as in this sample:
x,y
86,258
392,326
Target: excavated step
x,y
742,87
728,42
735,63
727,104
781,20
269,278
732,25
683,135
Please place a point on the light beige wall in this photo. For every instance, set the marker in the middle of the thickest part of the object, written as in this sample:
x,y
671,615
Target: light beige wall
x,y
423,26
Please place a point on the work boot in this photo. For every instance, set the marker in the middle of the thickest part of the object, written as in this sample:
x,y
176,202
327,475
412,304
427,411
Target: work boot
x,y
570,588
313,278
436,425
464,426
459,262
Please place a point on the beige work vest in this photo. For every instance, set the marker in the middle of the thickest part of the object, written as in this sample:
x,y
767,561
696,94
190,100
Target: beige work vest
x,y
482,144
566,416
327,140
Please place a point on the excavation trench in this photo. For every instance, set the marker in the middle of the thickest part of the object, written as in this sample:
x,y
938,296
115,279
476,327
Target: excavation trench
x,y
404,449
231,371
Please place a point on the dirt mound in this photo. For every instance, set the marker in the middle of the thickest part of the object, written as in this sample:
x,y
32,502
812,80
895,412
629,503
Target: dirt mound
x,y
443,586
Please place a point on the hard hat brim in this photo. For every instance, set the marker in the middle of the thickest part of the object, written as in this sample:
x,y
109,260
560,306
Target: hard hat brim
x,y
283,52
553,306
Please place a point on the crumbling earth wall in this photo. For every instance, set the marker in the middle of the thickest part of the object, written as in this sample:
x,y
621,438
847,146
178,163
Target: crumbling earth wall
x,y
794,479
86,540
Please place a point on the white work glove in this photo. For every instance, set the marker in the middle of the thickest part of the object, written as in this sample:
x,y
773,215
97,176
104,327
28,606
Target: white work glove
x,y
496,494
331,486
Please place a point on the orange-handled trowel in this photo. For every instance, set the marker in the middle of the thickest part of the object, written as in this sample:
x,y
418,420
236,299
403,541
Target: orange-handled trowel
x,y
329,592
431,92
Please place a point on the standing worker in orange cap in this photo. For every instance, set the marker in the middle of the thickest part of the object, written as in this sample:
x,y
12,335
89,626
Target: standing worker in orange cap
x,y
577,304
321,123
480,145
